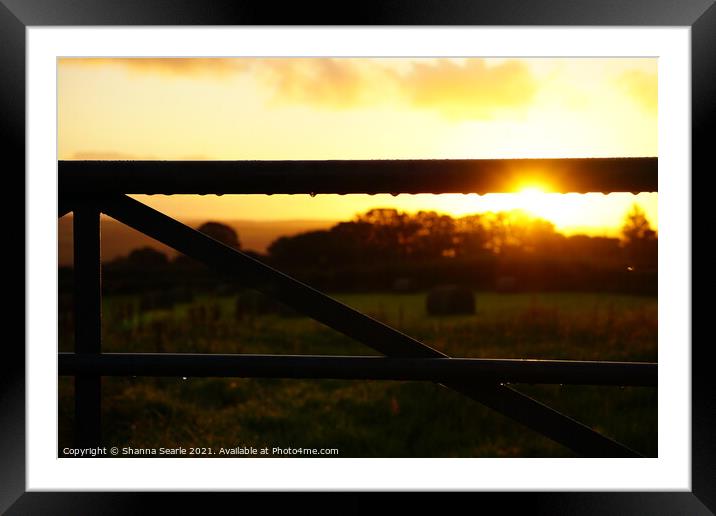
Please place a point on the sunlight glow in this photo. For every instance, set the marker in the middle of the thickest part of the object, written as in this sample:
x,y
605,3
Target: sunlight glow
x,y
533,200
531,191
572,213
355,108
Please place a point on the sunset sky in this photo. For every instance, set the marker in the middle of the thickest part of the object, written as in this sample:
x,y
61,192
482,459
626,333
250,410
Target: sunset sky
x,y
358,108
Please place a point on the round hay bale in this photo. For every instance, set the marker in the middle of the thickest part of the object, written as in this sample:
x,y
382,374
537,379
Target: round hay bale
x,y
450,300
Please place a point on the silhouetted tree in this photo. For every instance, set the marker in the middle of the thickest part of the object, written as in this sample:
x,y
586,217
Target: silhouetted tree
x,y
640,241
222,233
435,236
636,226
537,236
216,230
311,249
585,249
470,236
384,244
516,232
146,258
393,233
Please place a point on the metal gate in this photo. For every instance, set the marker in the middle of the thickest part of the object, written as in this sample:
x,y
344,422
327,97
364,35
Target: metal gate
x,y
88,188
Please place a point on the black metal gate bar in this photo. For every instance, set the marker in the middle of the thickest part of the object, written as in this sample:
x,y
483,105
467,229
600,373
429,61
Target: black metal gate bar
x,y
480,370
358,176
88,322
562,429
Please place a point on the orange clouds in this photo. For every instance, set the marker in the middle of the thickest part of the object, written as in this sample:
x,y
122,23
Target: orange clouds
x,y
216,66
471,89
322,82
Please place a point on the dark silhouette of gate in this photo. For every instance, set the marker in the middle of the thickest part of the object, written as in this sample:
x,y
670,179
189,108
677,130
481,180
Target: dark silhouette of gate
x,y
88,188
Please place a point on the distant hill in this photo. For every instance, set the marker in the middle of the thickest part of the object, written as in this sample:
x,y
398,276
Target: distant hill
x,y
119,240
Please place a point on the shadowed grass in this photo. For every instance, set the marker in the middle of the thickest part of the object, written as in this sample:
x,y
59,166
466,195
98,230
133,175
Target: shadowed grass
x,y
372,419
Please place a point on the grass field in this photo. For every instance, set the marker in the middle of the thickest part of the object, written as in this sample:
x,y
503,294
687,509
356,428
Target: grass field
x,y
371,419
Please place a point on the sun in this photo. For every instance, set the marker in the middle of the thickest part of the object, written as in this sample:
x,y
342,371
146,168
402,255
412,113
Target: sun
x,y
531,190
533,198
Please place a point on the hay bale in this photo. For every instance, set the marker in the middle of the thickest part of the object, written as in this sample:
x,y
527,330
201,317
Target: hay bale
x,y
450,300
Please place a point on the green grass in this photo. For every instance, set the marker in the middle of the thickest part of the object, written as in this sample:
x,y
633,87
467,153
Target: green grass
x,y
372,419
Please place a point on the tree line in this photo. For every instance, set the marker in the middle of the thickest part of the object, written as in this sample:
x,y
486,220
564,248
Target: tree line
x,y
389,249
390,236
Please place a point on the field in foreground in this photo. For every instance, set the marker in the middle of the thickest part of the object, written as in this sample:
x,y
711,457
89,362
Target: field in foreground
x,y
371,419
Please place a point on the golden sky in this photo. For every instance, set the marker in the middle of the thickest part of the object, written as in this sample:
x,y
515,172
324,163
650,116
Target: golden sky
x,y
359,108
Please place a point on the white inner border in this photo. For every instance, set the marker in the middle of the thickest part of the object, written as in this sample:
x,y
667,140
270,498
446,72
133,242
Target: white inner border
x,y
671,471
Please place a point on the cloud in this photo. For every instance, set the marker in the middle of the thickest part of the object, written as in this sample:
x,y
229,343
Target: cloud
x,y
469,90
187,66
642,86
323,82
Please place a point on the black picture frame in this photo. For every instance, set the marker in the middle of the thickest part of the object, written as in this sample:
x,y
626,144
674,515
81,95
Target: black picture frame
x,y
17,15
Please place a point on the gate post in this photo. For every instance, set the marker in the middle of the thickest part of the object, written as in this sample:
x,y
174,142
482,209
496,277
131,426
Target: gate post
x,y
88,323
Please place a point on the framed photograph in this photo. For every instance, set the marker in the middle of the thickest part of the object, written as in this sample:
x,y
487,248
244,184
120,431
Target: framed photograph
x,y
411,202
